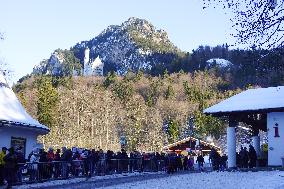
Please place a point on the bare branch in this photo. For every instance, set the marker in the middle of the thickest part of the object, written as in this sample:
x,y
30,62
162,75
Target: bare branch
x,y
256,22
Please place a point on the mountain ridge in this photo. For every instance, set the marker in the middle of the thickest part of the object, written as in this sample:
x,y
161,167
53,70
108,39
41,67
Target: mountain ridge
x,y
134,45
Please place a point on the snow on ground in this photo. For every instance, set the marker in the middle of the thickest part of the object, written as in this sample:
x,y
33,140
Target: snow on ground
x,y
212,180
209,180
77,181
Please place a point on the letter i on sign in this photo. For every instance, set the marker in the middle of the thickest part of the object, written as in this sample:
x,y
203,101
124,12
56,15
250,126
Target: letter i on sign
x,y
276,130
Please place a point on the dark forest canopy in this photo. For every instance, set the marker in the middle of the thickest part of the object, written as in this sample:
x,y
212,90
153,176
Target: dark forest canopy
x,y
237,67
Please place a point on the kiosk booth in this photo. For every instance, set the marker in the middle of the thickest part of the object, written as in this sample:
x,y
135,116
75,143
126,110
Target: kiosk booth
x,y
261,109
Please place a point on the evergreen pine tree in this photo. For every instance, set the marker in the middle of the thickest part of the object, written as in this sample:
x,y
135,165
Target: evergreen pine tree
x,y
47,99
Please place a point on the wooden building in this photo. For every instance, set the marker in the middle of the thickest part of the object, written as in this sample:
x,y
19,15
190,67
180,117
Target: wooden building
x,y
192,144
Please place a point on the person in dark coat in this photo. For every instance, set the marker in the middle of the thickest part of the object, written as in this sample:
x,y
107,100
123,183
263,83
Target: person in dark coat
x,y
179,162
214,157
223,162
87,158
76,164
124,160
57,165
185,160
42,166
252,156
238,159
131,161
244,157
190,163
66,159
200,161
171,163
11,167
21,161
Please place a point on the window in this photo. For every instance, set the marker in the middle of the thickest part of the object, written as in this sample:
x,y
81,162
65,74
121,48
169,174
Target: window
x,y
18,143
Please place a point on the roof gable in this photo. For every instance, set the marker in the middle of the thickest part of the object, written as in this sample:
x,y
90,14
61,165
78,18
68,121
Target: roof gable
x,y
11,109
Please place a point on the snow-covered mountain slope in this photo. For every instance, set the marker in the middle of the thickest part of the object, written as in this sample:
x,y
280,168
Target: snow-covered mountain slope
x,y
133,45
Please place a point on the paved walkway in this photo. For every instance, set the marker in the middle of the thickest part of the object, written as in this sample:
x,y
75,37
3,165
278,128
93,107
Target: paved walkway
x,y
110,180
100,181
90,184
94,182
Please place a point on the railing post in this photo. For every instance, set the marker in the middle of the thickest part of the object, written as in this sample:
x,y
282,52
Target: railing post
x,y
118,166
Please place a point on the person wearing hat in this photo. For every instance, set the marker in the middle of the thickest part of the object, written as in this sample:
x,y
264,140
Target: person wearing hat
x,y
33,166
2,162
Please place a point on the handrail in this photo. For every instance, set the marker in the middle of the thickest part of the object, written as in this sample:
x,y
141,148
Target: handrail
x,y
82,160
30,172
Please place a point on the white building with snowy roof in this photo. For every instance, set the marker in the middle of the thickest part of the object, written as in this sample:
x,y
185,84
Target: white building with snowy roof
x,y
17,127
92,67
262,109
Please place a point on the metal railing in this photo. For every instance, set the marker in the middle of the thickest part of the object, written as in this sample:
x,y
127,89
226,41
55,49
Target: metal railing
x,y
44,171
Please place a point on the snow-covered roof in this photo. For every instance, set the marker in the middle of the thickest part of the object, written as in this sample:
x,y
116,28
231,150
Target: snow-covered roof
x,y
261,99
212,145
219,61
12,111
2,78
97,62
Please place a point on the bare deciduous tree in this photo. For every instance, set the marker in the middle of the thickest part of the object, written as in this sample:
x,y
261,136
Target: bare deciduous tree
x,y
259,23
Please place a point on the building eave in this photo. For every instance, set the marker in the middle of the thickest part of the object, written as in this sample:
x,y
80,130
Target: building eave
x,y
38,128
237,112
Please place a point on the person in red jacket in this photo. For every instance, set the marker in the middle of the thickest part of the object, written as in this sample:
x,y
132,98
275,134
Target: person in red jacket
x,y
50,159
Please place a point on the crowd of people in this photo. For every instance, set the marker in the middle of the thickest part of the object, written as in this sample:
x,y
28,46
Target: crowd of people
x,y
219,162
9,165
75,162
63,163
246,158
216,161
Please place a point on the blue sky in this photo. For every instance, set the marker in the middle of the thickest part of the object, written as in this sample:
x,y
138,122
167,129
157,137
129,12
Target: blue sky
x,y
34,29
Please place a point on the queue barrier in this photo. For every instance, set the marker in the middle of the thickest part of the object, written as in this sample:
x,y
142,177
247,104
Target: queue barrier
x,y
44,171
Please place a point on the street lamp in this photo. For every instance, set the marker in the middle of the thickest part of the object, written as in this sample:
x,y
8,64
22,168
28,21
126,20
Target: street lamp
x,y
190,125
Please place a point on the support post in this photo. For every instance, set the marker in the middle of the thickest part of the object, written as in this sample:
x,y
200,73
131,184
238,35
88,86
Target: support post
x,y
231,144
256,142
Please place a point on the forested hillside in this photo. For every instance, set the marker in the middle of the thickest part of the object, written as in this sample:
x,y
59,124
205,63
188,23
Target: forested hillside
x,y
149,111
158,87
239,68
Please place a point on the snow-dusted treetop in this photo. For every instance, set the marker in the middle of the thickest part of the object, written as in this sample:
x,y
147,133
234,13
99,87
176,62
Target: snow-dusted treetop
x,y
219,62
11,110
2,79
261,99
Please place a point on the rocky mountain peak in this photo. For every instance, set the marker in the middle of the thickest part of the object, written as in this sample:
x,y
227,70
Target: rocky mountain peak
x,y
139,24
135,44
140,29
